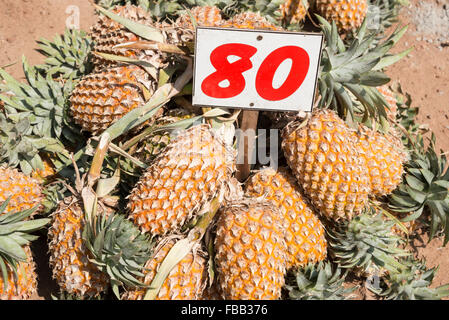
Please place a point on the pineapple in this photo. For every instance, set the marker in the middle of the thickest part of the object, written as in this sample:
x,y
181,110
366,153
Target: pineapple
x,y
69,256
250,251
106,33
102,98
207,16
181,180
249,20
305,236
384,156
186,281
25,192
347,14
323,156
22,284
294,11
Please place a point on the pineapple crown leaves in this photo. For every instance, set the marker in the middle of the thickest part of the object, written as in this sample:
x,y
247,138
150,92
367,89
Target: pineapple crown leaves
x,y
425,186
62,295
355,69
21,148
318,282
407,113
53,193
118,248
270,9
42,100
383,13
15,232
67,56
365,242
413,284
158,8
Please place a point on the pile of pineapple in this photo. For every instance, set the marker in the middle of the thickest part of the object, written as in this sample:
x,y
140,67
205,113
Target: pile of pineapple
x,y
135,188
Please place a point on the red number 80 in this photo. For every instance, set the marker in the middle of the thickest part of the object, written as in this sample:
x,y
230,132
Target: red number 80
x,y
264,78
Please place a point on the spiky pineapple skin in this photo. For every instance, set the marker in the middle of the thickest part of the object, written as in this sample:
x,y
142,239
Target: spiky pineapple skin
x,y
186,281
74,273
24,285
204,16
180,181
384,156
25,192
347,14
102,98
250,251
294,11
305,235
106,33
323,156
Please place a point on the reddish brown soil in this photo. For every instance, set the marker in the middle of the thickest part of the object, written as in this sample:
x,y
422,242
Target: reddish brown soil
x,y
424,74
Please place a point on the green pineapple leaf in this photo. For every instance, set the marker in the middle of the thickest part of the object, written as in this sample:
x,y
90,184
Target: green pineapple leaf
x,y
67,56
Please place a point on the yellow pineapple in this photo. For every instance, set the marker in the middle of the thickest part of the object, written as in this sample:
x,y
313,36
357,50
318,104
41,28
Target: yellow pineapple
x,y
102,98
74,273
22,284
106,33
323,156
294,11
305,236
181,180
206,16
250,251
186,281
384,156
25,192
347,14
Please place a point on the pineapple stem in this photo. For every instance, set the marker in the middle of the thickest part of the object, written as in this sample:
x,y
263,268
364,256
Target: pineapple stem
x,y
392,217
198,232
97,163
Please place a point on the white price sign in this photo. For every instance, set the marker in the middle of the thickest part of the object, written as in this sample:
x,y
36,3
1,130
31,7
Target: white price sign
x,y
253,69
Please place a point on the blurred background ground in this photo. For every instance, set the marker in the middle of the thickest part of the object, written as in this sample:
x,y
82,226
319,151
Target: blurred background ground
x,y
424,74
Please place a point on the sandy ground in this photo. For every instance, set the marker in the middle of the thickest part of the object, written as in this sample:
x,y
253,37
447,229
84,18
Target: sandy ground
x,y
424,74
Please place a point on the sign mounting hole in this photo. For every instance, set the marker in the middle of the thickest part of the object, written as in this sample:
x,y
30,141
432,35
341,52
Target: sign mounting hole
x,y
259,38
